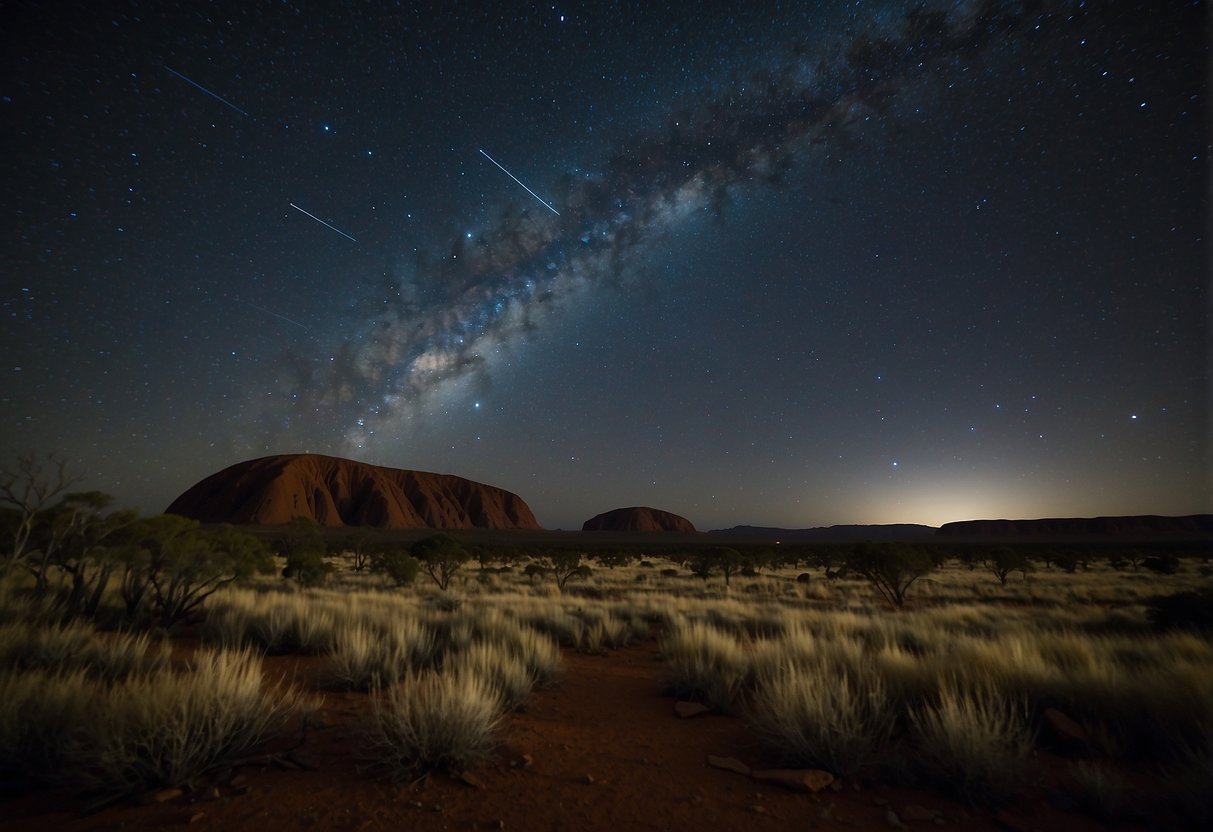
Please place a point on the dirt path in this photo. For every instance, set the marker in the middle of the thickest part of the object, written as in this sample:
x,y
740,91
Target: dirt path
x,y
605,753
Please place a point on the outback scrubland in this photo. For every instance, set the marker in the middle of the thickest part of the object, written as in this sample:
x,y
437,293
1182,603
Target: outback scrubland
x,y
136,653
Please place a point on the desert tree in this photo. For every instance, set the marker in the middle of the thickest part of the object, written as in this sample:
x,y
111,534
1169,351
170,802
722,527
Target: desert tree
x,y
441,557
362,547
1006,559
730,562
614,558
28,487
890,568
302,544
701,563
566,566
194,565
87,540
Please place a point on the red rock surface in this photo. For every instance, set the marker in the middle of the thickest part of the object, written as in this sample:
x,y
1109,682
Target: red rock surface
x,y
1196,526
637,519
342,492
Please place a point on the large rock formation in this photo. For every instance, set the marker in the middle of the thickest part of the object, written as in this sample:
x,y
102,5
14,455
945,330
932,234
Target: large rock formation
x,y
637,519
1194,527
342,492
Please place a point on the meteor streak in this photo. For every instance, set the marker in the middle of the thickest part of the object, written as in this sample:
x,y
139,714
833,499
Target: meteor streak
x,y
275,314
519,181
205,90
322,222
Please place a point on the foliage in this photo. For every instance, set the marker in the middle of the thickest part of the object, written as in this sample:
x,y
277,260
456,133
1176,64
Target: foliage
x,y
890,567
1192,610
1005,560
362,549
397,564
189,564
441,556
28,487
302,544
614,559
566,566
1165,564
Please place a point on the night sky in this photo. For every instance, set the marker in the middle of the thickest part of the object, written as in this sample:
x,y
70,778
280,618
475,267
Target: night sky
x,y
787,264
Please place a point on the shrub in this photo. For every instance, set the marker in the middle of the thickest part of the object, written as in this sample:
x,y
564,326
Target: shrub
x,y
1192,610
441,556
435,721
891,568
397,564
1162,564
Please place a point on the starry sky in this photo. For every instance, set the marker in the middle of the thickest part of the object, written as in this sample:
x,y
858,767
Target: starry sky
x,y
785,264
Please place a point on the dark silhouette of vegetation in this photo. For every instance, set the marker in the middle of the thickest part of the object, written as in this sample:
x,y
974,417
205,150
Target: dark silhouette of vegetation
x,y
302,544
566,566
397,564
890,567
1192,610
1162,564
1005,560
441,556
28,487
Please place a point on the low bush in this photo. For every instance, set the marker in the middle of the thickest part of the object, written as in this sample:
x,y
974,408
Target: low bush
x,y
1192,610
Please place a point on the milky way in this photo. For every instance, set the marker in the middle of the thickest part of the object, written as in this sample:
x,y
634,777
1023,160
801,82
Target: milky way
x,y
446,319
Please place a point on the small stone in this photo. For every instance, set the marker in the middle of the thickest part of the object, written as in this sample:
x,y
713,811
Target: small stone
x,y
729,764
805,780
197,816
890,817
469,778
238,780
165,795
589,778
524,761
915,812
758,810
1066,728
686,710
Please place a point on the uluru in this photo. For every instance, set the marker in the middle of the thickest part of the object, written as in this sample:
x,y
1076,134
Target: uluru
x,y
637,519
342,492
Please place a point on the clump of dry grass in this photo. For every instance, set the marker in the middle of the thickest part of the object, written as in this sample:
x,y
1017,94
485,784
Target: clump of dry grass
x,y
823,715
59,649
974,744
39,712
166,729
435,720
705,664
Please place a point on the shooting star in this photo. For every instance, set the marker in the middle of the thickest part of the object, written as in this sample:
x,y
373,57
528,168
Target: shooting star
x,y
275,314
519,181
322,222
205,90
